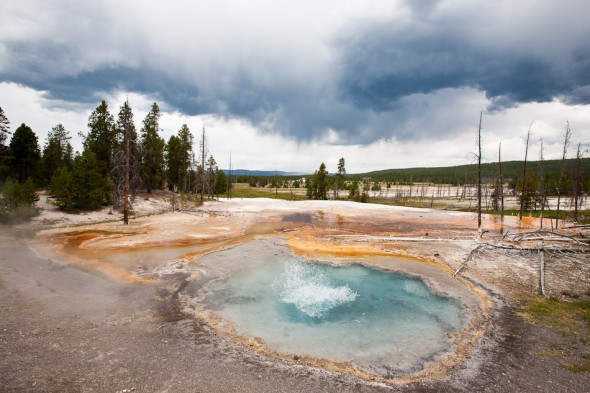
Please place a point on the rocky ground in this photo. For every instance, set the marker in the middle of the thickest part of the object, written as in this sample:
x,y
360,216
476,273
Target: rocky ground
x,y
98,307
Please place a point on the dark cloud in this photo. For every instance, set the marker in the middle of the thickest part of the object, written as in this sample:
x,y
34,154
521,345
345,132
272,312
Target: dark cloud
x,y
382,74
382,64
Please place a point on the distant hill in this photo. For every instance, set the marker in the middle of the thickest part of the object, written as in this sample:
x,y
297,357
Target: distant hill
x,y
462,173
453,174
247,172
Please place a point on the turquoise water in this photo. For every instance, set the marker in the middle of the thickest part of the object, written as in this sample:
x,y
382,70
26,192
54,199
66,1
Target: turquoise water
x,y
387,322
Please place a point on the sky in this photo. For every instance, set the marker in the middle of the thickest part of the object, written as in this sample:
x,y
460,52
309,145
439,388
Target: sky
x,y
285,85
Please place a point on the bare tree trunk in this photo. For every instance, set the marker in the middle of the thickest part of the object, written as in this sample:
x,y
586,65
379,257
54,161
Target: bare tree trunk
x,y
542,268
542,183
577,183
203,165
566,142
523,192
479,174
500,190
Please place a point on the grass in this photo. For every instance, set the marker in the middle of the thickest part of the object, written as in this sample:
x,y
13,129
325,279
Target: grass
x,y
583,215
255,192
571,319
581,365
559,313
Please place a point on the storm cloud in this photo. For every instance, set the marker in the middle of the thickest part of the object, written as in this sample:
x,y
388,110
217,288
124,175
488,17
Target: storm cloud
x,y
361,73
387,61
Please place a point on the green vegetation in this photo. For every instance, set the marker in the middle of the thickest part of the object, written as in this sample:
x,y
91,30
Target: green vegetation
x,y
115,162
571,319
567,215
264,192
466,174
18,201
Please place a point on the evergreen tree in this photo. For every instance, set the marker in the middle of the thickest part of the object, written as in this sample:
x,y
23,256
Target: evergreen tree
x,y
57,152
61,189
24,152
317,186
173,162
152,162
309,185
220,182
93,190
18,200
211,176
529,197
322,183
339,178
4,152
186,148
4,127
83,188
102,137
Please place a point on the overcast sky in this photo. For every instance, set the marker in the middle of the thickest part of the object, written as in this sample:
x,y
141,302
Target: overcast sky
x,y
286,85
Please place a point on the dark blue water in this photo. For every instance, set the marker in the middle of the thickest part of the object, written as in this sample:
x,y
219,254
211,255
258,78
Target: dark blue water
x,y
375,318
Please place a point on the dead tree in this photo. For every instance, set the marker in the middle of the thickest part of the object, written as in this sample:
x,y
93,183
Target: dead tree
x,y
542,192
203,165
551,243
560,185
577,186
125,172
479,174
523,196
501,182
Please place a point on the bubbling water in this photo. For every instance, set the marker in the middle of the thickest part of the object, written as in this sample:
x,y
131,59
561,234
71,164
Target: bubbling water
x,y
386,322
310,290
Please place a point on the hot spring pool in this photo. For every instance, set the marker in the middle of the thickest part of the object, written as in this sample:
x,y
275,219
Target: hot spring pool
x,y
385,322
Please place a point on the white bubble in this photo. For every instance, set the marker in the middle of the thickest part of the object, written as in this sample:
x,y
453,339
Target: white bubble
x,y
310,291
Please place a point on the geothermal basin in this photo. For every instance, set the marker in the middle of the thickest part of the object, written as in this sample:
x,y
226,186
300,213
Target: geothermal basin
x,y
389,317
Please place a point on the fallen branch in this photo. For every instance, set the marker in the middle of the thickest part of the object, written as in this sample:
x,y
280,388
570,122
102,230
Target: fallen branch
x,y
542,268
541,249
582,226
470,257
554,236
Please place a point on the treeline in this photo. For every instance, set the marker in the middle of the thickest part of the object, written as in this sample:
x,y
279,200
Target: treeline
x,y
466,174
116,162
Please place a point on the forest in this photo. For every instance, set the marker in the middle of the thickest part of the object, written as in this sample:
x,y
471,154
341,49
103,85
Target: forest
x,y
116,162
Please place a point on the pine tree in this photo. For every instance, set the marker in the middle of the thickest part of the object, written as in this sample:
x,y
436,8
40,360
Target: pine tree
x,y
61,189
221,182
173,162
82,188
211,176
102,137
322,183
57,152
339,179
186,148
24,152
4,127
4,152
152,162
17,201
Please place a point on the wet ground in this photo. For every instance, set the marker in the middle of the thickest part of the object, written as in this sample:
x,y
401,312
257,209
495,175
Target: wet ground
x,y
77,316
